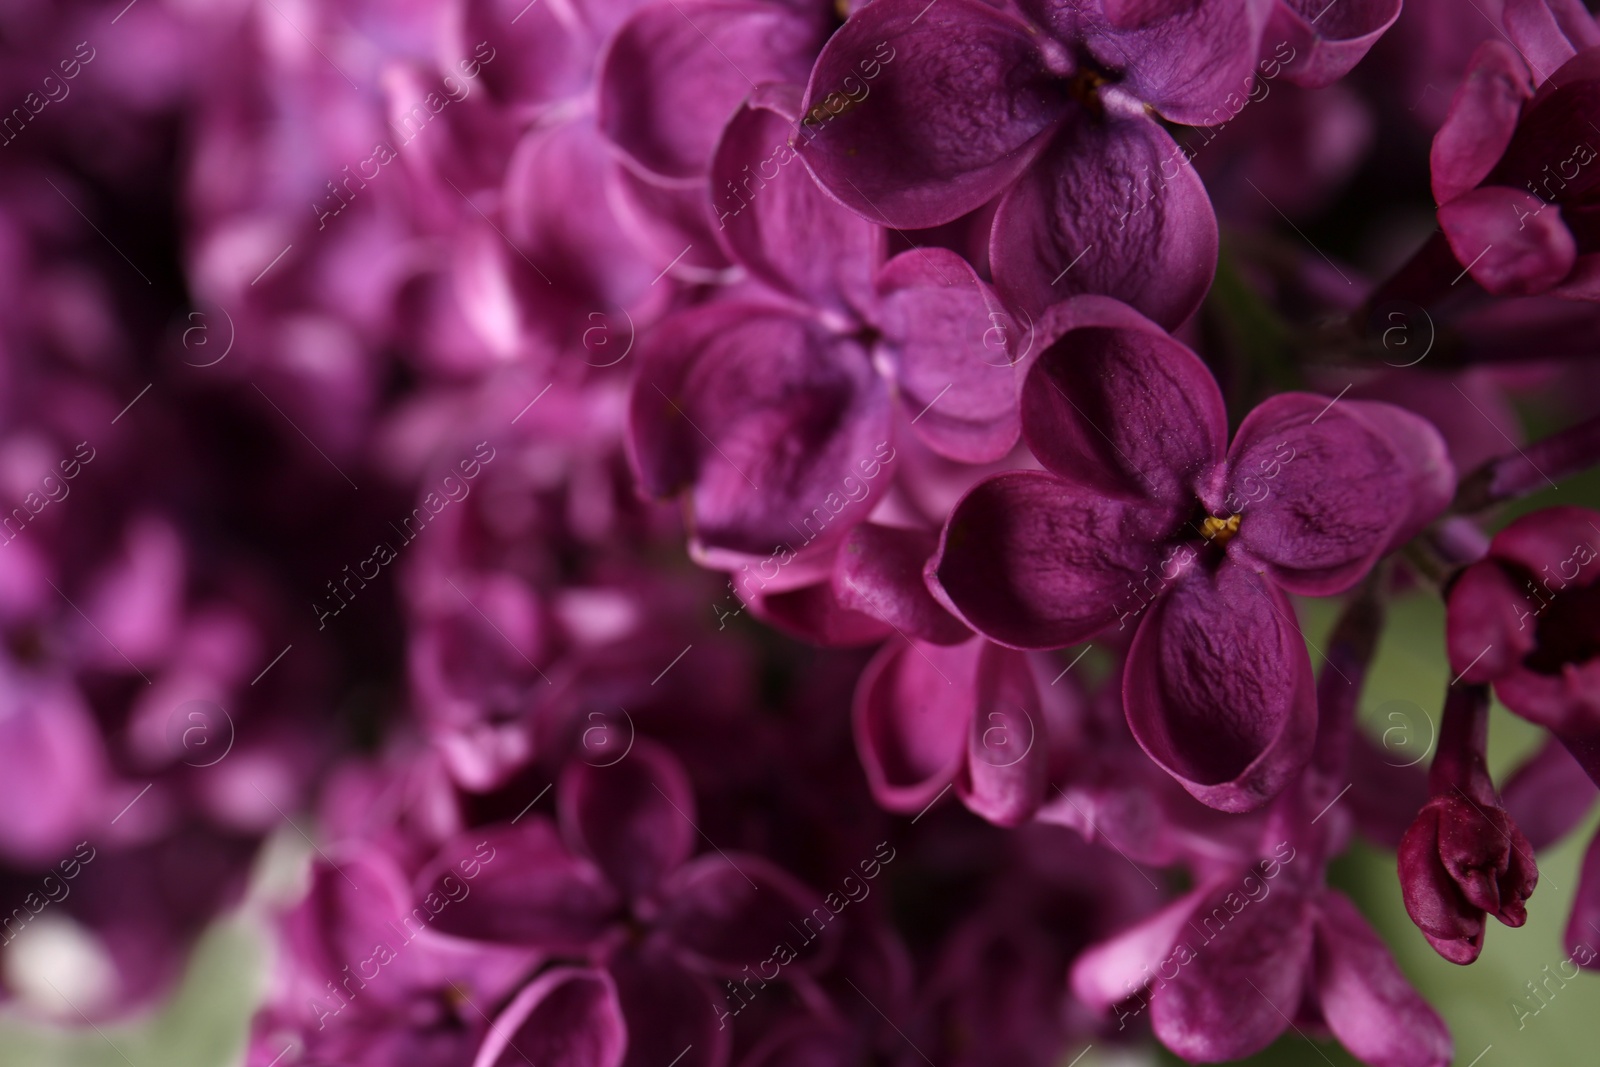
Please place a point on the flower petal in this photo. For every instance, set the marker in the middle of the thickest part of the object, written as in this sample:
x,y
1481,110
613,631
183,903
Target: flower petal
x,y
726,911
1328,39
674,74
1321,490
918,113
1032,561
913,707
762,414
878,573
1218,688
567,1017
780,225
668,1007
1008,754
1367,1002
1482,118
1079,221
940,323
1513,243
634,818
529,891
1115,403
1241,985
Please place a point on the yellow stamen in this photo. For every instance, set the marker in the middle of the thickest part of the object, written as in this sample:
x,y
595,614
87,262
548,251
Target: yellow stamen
x,y
1219,530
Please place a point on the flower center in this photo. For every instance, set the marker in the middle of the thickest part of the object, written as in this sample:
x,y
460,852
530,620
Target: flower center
x,y
1219,531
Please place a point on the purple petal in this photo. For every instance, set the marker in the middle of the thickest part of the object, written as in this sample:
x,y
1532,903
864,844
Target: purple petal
x,y
1549,795
1328,38
727,911
1116,404
1008,753
816,613
1114,970
1535,32
1513,243
1321,490
776,221
1032,561
878,573
917,114
1490,624
770,421
1182,59
1367,1002
674,74
541,57
913,708
529,890
940,323
634,818
1078,222
1585,918
1482,118
667,1007
567,1017
1243,977
1218,688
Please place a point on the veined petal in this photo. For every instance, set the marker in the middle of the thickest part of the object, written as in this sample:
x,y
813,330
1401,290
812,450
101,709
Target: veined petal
x,y
1218,688
634,818
918,113
1032,561
1111,207
913,707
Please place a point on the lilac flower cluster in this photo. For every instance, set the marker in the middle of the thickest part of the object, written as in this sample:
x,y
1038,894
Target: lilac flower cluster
x,y
747,416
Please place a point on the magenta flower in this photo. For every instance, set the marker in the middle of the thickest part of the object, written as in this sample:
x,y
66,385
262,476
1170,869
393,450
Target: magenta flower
x,y
773,409
919,113
1144,517
1515,163
1523,619
615,886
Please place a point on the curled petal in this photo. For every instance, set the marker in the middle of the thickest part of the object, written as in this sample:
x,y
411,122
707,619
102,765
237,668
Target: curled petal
x,y
913,709
878,573
1513,243
1328,39
916,114
1008,753
1218,688
1482,118
1112,207
567,1017
634,818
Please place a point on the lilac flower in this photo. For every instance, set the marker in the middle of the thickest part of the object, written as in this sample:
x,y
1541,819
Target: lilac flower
x,y
616,886
1514,164
1521,619
919,113
773,408
1139,487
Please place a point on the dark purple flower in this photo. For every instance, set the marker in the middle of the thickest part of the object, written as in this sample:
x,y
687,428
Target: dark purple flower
x,y
773,408
919,113
616,886
1526,619
1514,164
1141,487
